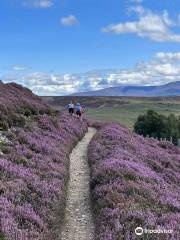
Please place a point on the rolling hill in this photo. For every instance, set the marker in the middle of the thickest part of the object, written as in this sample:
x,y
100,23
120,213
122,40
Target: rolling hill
x,y
35,143
134,182
170,89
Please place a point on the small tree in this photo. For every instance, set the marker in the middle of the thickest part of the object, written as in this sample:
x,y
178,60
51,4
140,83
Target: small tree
x,y
172,128
151,123
158,125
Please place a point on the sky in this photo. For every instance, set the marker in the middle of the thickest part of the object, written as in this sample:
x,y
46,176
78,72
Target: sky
x,y
58,47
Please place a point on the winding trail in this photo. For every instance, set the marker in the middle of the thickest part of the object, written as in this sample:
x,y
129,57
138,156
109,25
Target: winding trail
x,y
78,224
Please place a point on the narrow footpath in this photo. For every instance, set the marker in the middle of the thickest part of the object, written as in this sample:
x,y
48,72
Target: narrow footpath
x,y
78,224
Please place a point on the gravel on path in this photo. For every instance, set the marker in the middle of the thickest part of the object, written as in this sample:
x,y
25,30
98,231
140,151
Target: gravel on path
x,y
78,224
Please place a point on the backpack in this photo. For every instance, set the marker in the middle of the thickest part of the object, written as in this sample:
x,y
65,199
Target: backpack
x,y
78,108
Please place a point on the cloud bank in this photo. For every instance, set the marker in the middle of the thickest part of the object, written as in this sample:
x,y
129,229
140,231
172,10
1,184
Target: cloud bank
x,y
163,68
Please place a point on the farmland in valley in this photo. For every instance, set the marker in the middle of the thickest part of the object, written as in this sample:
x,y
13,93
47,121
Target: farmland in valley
x,y
124,110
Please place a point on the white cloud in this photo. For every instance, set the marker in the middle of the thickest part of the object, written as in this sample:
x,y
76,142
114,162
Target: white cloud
x,y
19,67
163,68
137,9
156,27
170,56
69,20
38,3
137,1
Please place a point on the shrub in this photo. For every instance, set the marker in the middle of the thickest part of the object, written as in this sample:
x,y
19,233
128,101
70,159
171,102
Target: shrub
x,y
3,126
134,182
158,126
1,236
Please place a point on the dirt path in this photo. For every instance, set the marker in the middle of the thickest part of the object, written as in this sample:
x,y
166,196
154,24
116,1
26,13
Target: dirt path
x,y
78,223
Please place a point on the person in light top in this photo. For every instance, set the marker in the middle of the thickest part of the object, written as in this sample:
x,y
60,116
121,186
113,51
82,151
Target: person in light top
x,y
71,108
79,111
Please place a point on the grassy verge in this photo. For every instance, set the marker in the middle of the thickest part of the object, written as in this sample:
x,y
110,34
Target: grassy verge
x,y
127,114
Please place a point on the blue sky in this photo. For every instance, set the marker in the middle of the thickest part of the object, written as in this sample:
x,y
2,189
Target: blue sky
x,y
57,47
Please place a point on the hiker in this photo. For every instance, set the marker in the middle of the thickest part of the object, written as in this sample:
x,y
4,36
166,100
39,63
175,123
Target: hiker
x,y
71,108
79,111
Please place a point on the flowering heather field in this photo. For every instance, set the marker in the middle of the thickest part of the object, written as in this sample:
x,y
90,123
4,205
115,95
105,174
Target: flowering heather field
x,y
34,159
135,182
17,103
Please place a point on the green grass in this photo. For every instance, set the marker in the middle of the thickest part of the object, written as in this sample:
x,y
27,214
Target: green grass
x,y
124,110
127,114
1,236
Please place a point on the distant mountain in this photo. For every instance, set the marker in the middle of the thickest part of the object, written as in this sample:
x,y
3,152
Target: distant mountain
x,y
170,89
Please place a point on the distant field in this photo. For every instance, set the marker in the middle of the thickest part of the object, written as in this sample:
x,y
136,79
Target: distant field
x,y
124,110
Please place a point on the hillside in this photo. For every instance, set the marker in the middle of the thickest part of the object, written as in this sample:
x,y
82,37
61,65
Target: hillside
x,y
134,183
18,103
35,143
170,89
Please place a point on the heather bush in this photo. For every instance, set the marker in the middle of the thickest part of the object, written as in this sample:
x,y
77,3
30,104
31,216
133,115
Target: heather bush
x,y
34,167
134,183
17,103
